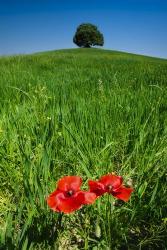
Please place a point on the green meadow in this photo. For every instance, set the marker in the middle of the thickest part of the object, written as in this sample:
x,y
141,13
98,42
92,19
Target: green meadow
x,y
85,112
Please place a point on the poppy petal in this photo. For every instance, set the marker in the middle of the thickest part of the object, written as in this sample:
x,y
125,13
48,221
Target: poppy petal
x,y
122,193
96,187
58,202
53,200
86,197
69,183
69,205
113,180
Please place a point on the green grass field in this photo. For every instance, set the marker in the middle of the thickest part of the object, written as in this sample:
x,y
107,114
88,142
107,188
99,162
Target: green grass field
x,y
84,112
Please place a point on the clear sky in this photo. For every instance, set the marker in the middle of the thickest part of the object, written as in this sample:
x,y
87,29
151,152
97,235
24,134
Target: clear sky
x,y
137,26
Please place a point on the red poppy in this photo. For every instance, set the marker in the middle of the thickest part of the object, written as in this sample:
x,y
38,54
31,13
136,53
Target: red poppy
x,y
111,184
68,197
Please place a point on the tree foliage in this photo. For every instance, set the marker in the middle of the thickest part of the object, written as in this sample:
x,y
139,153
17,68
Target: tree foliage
x,y
88,35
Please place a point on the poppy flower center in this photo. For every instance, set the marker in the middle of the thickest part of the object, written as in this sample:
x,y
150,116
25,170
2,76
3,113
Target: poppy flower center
x,y
70,193
109,188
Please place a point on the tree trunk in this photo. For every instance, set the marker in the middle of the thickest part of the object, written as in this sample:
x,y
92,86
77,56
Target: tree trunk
x,y
87,46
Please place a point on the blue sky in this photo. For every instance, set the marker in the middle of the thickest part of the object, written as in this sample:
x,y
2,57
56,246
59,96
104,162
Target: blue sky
x,y
136,26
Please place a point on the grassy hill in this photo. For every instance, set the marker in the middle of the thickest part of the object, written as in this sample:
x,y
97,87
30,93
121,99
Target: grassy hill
x,y
84,112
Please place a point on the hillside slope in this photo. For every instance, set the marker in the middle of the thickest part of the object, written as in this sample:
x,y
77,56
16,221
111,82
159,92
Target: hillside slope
x,y
83,112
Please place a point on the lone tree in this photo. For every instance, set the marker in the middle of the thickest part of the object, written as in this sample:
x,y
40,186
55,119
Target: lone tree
x,y
88,35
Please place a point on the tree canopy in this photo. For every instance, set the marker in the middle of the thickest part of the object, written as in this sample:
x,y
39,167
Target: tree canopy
x,y
88,35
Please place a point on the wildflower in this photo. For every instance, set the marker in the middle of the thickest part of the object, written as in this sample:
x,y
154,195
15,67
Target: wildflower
x,y
48,118
59,134
111,184
68,197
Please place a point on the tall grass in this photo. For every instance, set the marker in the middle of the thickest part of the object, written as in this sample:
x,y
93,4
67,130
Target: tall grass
x,y
82,112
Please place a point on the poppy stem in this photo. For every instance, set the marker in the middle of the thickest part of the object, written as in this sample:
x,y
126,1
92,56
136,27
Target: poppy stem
x,y
109,218
58,225
59,221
